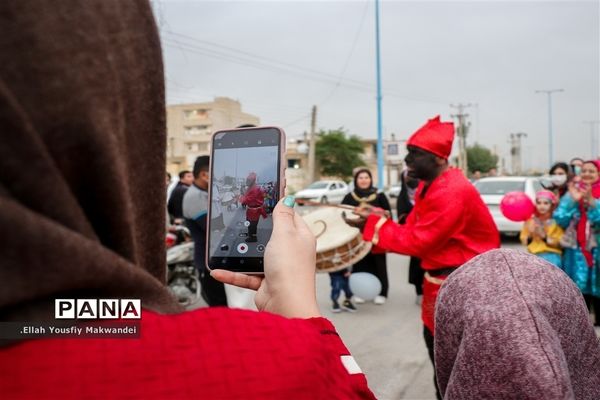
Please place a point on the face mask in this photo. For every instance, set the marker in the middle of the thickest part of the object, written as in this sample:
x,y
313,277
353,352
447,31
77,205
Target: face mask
x,y
558,180
576,169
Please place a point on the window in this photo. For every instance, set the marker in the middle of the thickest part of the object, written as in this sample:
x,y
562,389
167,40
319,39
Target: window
x,y
294,163
197,146
197,113
393,149
196,130
500,187
318,185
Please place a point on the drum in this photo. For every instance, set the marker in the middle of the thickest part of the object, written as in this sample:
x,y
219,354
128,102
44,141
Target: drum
x,y
338,244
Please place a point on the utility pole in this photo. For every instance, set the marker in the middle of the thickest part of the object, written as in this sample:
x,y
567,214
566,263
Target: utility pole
x,y
461,131
495,153
593,137
312,146
550,148
379,118
515,152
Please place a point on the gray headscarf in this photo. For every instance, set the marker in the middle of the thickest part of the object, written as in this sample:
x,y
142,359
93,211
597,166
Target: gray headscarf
x,y
512,326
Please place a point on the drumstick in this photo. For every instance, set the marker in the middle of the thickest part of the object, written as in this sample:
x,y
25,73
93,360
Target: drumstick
x,y
314,203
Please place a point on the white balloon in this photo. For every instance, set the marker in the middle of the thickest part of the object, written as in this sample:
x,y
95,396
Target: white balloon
x,y
365,285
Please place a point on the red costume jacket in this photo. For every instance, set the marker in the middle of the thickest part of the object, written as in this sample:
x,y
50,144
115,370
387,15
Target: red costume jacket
x,y
211,353
254,199
448,226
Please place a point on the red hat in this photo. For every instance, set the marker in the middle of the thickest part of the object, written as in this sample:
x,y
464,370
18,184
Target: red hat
x,y
435,137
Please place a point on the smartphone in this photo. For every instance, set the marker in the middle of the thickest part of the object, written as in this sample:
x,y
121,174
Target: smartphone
x,y
247,179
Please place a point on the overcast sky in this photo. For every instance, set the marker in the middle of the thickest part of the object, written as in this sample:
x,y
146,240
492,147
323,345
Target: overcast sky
x,y
240,163
281,58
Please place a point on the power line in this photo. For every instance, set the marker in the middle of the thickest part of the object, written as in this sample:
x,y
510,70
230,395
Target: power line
x,y
352,48
266,63
237,60
245,56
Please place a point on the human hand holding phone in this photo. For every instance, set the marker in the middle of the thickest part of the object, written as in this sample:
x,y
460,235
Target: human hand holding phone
x,y
247,178
288,286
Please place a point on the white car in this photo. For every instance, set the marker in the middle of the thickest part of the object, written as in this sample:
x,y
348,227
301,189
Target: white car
x,y
394,191
324,192
493,189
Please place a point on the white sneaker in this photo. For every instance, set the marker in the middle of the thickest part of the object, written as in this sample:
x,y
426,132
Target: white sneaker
x,y
379,300
358,300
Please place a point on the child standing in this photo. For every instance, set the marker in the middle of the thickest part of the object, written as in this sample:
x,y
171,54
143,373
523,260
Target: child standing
x,y
541,234
339,282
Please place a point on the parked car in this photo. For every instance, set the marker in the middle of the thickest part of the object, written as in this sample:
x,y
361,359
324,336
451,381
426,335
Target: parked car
x,y
394,191
324,192
493,189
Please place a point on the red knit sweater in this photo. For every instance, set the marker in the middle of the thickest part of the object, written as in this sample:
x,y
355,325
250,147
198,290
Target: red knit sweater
x,y
204,354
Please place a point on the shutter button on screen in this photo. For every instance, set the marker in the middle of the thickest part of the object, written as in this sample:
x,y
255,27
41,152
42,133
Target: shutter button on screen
x,y
242,248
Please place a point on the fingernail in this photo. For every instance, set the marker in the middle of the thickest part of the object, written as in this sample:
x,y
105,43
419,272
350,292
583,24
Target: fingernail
x,y
289,201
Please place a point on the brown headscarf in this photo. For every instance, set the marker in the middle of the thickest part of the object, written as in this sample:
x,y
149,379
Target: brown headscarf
x,y
509,325
82,155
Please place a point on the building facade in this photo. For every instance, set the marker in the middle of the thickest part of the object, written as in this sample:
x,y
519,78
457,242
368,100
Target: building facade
x,y
394,153
190,126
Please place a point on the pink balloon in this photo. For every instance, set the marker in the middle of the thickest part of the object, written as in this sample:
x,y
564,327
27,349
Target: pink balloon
x,y
517,206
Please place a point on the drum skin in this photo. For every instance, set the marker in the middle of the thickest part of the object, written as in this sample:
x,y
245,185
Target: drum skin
x,y
338,244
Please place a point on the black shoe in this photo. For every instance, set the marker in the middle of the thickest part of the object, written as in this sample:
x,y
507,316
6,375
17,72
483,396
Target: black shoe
x,y
251,239
336,307
348,306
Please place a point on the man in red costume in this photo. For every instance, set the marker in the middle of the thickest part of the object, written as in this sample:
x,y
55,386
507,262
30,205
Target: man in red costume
x,y
253,199
449,224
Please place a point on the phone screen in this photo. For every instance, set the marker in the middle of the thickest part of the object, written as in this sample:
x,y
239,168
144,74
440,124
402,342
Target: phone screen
x,y
245,187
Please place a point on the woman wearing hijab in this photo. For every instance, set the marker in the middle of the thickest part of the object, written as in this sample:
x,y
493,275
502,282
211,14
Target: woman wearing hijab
x,y
375,262
405,204
576,163
82,114
510,325
559,177
579,214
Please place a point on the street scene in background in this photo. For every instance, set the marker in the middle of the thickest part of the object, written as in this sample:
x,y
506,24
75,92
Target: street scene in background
x,y
523,119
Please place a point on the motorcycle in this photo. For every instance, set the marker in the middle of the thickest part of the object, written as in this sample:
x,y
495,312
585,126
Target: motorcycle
x,y
182,276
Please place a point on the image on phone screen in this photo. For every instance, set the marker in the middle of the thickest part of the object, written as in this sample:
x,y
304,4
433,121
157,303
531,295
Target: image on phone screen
x,y
245,185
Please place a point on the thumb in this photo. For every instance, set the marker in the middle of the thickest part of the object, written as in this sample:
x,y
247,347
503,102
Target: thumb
x,y
283,215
